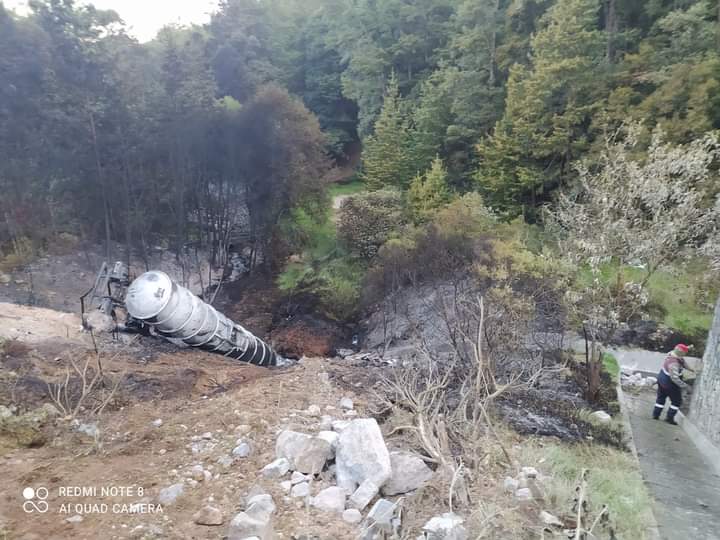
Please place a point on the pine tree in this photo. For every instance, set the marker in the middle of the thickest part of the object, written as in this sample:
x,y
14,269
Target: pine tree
x,y
429,192
387,160
547,111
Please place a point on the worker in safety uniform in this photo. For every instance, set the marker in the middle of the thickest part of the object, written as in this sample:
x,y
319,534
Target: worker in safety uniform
x,y
670,383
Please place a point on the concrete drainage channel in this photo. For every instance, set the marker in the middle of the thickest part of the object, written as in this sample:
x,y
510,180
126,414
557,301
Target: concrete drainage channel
x,y
679,470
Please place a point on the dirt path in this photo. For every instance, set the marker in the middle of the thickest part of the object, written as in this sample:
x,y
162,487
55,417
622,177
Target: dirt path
x,y
30,324
684,485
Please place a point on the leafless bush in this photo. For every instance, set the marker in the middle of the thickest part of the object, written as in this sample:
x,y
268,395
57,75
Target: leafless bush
x,y
84,387
449,402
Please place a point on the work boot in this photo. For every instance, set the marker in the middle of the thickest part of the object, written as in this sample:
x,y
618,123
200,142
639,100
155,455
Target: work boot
x,y
671,421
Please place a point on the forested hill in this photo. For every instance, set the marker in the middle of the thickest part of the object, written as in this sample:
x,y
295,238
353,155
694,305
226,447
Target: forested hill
x,y
103,136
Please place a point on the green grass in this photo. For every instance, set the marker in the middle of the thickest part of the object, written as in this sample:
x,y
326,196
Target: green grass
x,y
681,298
349,188
610,364
614,479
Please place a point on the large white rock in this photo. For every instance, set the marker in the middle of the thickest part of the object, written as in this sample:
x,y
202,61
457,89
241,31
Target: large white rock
x,y
362,455
305,453
330,499
409,472
448,526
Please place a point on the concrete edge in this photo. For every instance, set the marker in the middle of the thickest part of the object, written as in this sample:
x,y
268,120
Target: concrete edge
x,y
653,529
707,449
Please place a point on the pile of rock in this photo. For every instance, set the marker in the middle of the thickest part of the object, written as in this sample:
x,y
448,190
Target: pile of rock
x,y
636,379
344,469
525,486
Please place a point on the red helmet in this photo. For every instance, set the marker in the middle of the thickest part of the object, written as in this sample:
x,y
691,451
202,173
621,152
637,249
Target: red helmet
x,y
682,348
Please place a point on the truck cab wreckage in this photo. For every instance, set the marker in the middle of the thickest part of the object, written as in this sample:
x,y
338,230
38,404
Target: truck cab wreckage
x,y
154,300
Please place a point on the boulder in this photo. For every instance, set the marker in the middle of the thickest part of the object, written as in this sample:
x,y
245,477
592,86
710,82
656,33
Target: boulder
x,y
305,453
361,455
331,437
524,494
448,526
529,472
408,473
330,499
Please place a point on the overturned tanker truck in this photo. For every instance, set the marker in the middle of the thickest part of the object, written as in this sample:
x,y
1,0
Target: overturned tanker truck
x,y
174,312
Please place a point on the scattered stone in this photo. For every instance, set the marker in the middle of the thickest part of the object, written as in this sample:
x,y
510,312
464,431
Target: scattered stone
x,y
77,518
347,404
158,422
5,412
297,477
207,476
243,429
524,494
207,435
197,473
245,526
208,515
548,519
300,490
313,410
343,353
91,430
352,516
602,417
225,461
305,453
330,499
364,494
276,469
381,515
361,455
261,503
510,485
408,473
169,495
448,526
529,472
242,450
286,485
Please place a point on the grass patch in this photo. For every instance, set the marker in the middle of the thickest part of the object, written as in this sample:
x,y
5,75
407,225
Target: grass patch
x,y
347,188
681,297
614,479
610,364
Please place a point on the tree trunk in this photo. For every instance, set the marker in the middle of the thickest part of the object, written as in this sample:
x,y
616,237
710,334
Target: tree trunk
x,y
103,189
610,29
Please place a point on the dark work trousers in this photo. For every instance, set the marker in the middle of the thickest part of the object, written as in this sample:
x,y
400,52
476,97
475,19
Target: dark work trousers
x,y
667,389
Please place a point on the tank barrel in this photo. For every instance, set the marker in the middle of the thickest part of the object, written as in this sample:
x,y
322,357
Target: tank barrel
x,y
175,312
